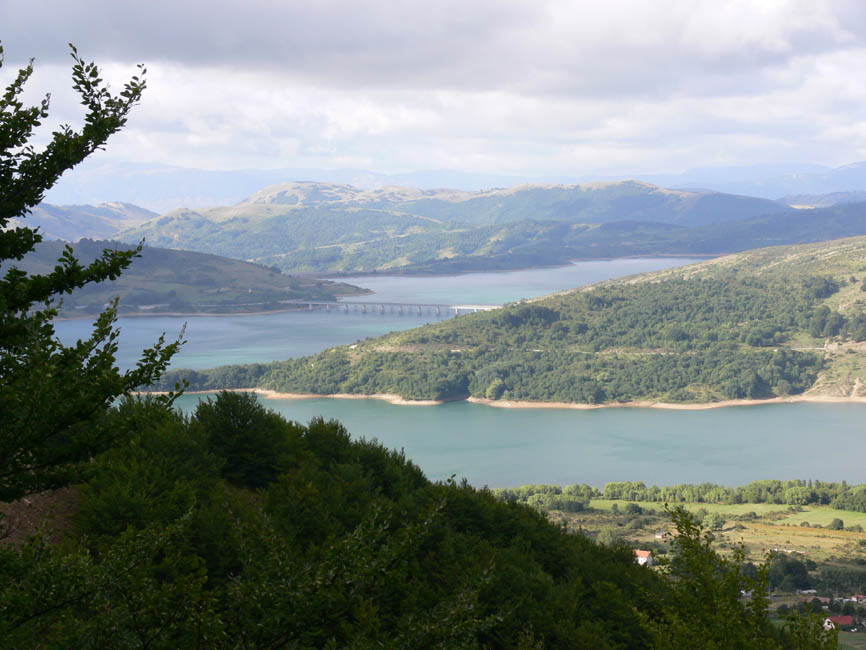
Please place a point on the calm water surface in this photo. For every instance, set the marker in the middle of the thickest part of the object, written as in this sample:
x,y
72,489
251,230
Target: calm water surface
x,y
502,447
219,340
507,447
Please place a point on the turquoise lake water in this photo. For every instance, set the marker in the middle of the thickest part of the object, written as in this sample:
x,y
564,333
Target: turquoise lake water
x,y
504,447
507,447
220,340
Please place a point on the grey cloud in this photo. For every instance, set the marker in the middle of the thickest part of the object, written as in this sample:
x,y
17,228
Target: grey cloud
x,y
523,48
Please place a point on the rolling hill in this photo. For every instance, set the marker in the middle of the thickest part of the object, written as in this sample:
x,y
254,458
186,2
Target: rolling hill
x,y
74,222
773,322
170,281
323,227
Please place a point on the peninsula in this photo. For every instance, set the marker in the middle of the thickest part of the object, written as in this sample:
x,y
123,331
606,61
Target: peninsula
x,y
772,323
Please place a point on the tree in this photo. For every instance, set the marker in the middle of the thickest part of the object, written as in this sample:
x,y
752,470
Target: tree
x,y
704,605
51,395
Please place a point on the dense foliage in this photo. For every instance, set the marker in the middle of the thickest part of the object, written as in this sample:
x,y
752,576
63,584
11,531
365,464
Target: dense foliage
x,y
236,528
794,492
51,394
677,340
798,492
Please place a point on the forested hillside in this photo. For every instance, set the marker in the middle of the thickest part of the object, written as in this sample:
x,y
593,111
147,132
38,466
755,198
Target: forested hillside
x,y
125,524
235,528
163,280
749,326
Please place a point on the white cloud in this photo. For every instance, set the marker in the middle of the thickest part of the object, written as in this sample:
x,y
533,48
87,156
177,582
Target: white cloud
x,y
526,87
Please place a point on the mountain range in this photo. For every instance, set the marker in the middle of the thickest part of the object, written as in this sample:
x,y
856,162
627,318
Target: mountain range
x,y
315,227
164,187
329,227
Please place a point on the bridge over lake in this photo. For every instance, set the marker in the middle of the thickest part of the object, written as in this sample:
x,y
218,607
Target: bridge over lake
x,y
365,307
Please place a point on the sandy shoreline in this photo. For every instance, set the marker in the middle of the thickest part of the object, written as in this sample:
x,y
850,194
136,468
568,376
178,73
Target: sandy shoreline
x,y
511,404
702,406
272,394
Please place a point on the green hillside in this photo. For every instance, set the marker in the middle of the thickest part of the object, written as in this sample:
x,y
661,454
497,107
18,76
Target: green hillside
x,y
325,227
768,323
530,243
595,203
171,281
233,528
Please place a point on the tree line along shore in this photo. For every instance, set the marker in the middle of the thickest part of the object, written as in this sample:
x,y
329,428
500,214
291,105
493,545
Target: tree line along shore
x,y
756,326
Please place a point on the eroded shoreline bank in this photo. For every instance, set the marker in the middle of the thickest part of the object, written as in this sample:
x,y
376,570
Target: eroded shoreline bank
x,y
514,404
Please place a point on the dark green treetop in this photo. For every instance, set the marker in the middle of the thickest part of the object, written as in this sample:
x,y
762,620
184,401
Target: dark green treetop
x,y
50,394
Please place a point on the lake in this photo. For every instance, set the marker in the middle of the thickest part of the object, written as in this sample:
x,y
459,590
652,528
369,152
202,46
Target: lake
x,y
506,447
260,338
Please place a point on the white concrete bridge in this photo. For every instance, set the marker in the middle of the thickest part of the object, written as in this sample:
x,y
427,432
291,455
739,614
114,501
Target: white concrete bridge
x,y
371,307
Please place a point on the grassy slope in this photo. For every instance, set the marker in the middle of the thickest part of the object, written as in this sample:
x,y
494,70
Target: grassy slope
x,y
625,340
775,527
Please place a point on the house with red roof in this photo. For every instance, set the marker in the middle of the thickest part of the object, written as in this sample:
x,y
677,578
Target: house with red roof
x,y
838,621
644,558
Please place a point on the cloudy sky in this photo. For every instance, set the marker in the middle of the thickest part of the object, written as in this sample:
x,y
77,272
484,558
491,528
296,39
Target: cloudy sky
x,y
526,87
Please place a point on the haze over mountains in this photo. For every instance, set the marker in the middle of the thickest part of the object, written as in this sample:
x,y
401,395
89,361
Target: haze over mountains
x,y
337,227
163,187
333,227
74,222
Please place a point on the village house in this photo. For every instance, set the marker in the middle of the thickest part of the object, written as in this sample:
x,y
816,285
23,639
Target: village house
x,y
644,558
837,622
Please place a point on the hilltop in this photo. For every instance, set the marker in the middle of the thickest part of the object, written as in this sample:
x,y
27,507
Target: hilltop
x,y
771,323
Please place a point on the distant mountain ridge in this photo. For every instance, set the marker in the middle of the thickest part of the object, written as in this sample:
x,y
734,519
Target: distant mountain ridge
x,y
74,222
162,187
598,202
328,227
823,200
